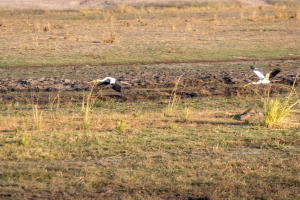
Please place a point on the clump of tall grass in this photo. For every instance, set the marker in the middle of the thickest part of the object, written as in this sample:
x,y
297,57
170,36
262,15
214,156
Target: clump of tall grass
x,y
120,125
171,125
36,27
47,27
84,12
85,113
278,15
241,15
297,15
23,141
186,113
110,39
123,8
136,112
173,101
215,17
275,110
173,27
37,117
188,27
254,16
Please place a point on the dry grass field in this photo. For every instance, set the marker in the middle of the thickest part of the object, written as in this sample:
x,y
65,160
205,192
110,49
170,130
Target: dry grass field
x,y
176,131
123,34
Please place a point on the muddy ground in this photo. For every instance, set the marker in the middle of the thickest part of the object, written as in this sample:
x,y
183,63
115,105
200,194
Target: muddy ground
x,y
154,81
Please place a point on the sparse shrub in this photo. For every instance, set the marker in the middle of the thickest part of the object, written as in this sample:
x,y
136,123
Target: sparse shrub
x,y
120,125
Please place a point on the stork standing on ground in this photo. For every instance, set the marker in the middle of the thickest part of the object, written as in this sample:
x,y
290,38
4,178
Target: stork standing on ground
x,y
264,79
106,81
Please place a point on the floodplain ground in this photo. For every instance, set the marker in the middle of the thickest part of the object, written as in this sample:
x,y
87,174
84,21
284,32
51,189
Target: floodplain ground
x,y
174,131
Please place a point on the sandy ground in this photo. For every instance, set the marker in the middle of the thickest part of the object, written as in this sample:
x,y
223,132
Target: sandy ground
x,y
96,4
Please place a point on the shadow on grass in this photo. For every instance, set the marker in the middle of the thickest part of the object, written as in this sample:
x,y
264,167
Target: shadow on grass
x,y
214,123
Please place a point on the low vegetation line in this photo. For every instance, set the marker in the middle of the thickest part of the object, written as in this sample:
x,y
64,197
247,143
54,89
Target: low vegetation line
x,y
158,62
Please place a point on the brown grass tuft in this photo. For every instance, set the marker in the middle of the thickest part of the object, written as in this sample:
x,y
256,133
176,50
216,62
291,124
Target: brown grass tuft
x,y
254,16
174,99
188,27
36,27
297,15
48,27
110,39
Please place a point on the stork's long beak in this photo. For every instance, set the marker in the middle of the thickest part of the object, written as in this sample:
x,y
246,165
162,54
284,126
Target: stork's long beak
x,y
92,81
247,84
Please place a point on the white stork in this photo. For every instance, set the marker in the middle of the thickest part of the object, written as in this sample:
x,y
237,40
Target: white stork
x,y
106,81
264,79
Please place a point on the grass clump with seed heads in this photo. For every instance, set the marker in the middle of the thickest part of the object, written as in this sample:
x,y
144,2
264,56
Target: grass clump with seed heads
x,y
275,110
37,117
173,101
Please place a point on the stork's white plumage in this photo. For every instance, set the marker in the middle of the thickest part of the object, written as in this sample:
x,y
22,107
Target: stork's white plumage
x,y
264,79
106,81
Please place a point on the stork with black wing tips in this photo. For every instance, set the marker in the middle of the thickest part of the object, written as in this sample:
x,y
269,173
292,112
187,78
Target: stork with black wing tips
x,y
107,81
264,79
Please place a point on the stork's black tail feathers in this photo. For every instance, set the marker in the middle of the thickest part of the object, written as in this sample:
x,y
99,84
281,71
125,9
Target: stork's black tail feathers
x,y
116,87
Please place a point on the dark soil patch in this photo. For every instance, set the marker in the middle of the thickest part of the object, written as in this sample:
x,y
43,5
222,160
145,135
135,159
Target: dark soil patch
x,y
154,82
